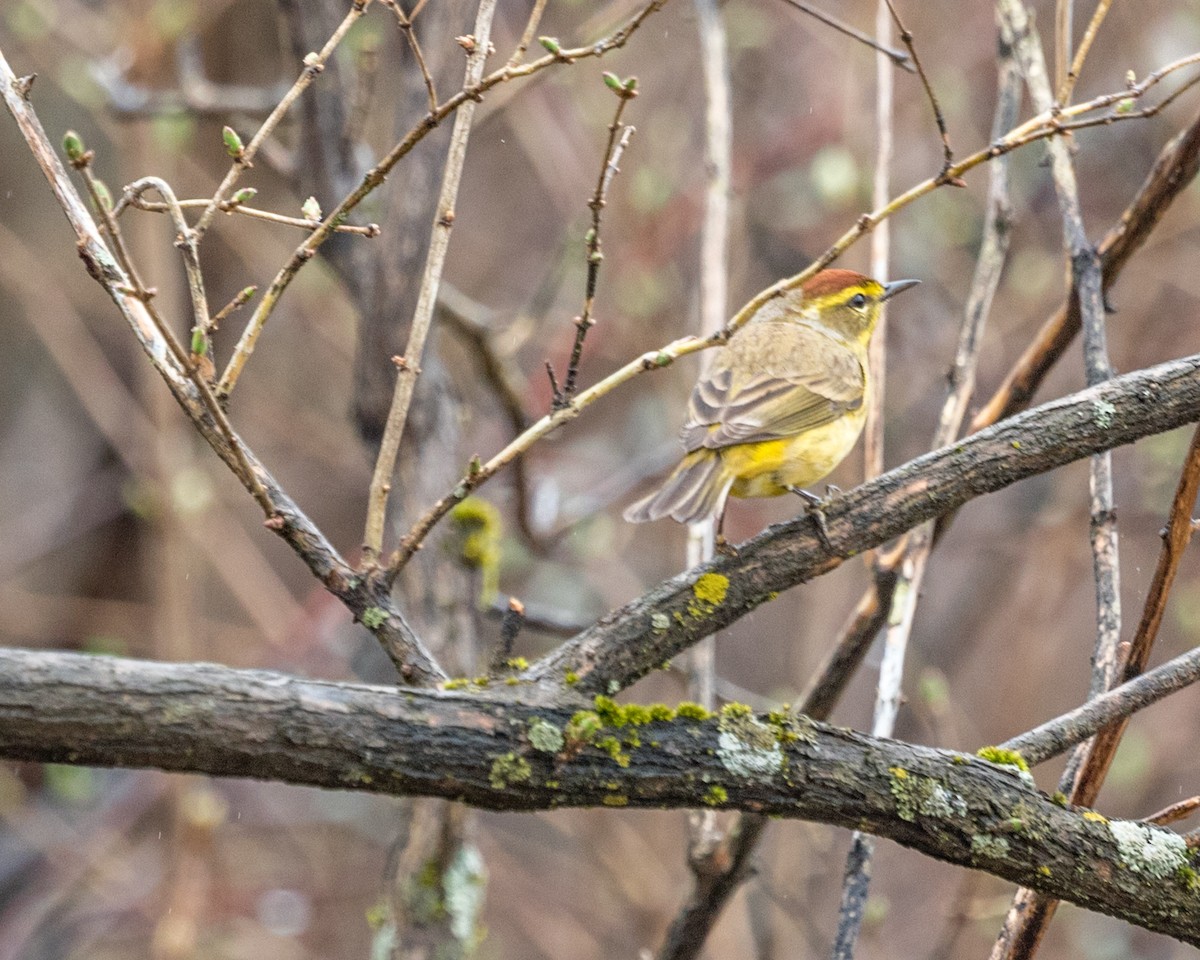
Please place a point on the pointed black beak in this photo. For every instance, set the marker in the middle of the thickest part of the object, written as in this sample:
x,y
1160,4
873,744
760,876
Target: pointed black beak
x,y
897,286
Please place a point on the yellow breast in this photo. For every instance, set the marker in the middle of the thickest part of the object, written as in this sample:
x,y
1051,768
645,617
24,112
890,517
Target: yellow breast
x,y
768,468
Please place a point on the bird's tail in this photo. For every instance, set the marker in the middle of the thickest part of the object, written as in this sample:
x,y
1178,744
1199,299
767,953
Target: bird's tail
x,y
695,491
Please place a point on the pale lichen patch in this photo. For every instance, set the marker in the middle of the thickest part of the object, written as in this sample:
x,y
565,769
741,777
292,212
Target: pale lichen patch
x,y
1149,850
749,748
464,882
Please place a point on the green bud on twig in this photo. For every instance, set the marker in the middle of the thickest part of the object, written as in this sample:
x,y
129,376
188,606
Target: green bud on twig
x,y
551,44
613,82
199,343
245,195
233,143
311,209
73,145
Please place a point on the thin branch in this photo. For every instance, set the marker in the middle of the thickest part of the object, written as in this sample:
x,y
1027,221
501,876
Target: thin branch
x,y
186,243
527,35
618,139
370,230
57,707
897,57
314,65
193,367
856,879
377,174
1057,736
1174,812
1067,86
410,36
439,242
462,316
1064,29
881,189
1031,912
707,830
938,117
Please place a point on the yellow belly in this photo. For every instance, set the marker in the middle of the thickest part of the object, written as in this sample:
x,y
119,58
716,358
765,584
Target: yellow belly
x,y
768,468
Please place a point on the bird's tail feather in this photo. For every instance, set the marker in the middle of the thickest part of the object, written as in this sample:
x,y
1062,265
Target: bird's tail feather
x,y
695,491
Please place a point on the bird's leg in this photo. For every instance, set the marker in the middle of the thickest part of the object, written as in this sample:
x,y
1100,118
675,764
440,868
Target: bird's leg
x,y
814,508
720,544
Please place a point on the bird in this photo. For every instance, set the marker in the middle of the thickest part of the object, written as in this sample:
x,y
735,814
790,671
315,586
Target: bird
x,y
781,405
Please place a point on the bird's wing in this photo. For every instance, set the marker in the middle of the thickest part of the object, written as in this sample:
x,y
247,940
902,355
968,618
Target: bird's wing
x,y
793,390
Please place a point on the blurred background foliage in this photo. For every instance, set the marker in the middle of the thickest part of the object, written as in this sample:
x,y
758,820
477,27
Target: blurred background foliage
x,y
122,534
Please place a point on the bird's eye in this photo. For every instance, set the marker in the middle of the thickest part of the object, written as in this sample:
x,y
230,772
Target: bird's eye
x,y
858,301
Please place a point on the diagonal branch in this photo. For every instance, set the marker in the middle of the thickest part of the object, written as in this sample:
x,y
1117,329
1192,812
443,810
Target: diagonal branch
x,y
641,636
409,366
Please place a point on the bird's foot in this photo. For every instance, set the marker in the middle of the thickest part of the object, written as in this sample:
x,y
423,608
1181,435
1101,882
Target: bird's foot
x,y
814,507
725,548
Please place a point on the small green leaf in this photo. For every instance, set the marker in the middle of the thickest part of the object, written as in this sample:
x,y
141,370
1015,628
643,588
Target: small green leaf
x,y
245,195
613,82
551,44
73,145
233,143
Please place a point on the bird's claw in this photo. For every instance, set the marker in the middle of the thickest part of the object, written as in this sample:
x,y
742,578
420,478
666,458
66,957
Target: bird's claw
x,y
814,507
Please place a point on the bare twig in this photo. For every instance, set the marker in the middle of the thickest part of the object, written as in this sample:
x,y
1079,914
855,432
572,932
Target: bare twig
x,y
527,35
410,35
880,249
1031,912
618,139
439,243
856,879
897,57
186,242
906,38
242,298
708,830
369,230
1057,736
377,174
1064,29
1174,812
1067,85
314,64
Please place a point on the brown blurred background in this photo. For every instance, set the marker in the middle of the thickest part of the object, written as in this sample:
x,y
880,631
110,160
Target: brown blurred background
x,y
120,532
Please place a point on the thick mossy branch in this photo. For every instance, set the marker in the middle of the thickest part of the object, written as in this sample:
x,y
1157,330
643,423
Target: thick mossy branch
x,y
639,637
71,708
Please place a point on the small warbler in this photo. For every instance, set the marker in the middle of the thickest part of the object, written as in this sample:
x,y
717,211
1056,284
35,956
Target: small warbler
x,y
782,404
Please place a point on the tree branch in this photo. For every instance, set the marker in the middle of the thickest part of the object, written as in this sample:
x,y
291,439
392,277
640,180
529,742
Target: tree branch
x,y
60,707
642,635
